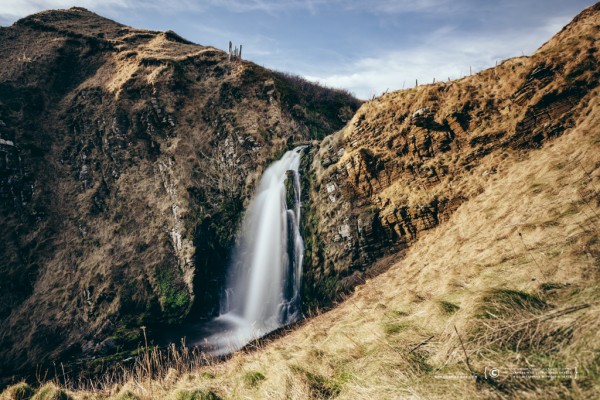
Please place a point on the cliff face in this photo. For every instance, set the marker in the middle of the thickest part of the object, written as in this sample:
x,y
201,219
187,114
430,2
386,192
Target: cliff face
x,y
126,159
404,163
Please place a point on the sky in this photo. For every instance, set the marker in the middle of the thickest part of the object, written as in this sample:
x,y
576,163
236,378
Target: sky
x,y
365,46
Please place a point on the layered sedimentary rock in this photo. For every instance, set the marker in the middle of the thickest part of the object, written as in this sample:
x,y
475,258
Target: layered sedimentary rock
x,y
403,164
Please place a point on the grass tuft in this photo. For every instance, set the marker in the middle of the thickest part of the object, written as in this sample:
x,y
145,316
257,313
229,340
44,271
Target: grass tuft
x,y
320,386
253,378
207,375
127,395
20,391
51,392
448,308
498,303
195,395
391,328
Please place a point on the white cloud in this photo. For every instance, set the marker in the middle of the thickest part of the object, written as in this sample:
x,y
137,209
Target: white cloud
x,y
441,55
403,6
313,6
14,9
268,6
555,24
274,7
21,8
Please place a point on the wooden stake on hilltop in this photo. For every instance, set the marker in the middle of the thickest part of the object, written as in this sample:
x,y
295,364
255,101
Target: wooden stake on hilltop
x,y
229,51
240,55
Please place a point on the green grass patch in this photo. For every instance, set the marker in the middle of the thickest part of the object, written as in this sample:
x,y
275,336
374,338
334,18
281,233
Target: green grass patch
x,y
174,297
127,395
51,392
20,391
391,328
196,395
253,378
447,307
129,335
397,313
321,386
207,375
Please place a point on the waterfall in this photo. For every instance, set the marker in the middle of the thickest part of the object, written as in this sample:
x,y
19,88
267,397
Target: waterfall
x,y
263,286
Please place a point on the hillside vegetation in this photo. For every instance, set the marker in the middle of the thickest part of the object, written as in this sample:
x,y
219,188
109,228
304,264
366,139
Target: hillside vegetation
x,y
451,230
511,280
127,158
405,161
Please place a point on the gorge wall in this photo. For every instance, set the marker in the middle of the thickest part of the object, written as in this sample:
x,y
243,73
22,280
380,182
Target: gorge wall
x,y
126,159
403,163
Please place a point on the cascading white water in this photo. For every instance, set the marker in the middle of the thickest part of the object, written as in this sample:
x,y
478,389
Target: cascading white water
x,y
263,288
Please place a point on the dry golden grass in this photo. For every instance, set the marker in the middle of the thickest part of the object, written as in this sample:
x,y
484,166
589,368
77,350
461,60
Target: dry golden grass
x,y
408,159
510,281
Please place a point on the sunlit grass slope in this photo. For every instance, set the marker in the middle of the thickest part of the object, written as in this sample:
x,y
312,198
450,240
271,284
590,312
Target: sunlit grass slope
x,y
510,281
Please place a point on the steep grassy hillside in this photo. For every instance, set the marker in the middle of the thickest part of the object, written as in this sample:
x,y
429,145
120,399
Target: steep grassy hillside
x,y
510,280
460,218
126,159
405,162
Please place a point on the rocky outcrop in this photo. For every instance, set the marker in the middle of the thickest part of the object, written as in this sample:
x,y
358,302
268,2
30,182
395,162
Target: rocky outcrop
x,y
15,184
126,160
403,164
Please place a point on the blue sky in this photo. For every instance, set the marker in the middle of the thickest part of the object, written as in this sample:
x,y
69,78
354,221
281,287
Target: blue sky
x,y
366,46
